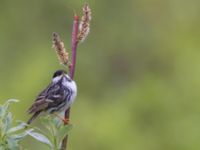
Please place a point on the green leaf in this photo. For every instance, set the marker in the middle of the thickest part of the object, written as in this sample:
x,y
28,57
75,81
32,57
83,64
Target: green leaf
x,y
41,138
63,131
5,106
8,102
47,122
1,111
12,101
7,122
18,137
8,140
12,144
44,120
57,122
21,126
2,147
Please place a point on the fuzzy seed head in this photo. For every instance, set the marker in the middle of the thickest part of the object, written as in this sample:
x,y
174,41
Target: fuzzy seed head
x,y
59,47
84,26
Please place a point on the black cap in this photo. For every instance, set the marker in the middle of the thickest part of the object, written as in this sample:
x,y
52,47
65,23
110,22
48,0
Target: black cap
x,y
58,73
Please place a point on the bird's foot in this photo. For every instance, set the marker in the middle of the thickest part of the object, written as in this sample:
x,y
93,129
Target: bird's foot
x,y
65,120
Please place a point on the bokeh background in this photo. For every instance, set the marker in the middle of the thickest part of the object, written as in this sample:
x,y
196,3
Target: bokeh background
x,y
138,72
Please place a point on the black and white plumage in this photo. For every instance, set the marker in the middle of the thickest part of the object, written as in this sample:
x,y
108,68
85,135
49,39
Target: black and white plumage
x,y
56,97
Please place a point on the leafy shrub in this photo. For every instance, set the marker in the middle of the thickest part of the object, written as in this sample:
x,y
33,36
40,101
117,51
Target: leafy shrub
x,y
10,136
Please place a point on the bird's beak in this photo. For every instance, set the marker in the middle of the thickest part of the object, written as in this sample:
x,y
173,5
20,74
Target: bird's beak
x,y
63,75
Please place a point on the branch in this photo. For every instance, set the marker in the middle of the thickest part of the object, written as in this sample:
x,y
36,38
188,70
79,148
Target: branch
x,y
64,142
79,33
74,44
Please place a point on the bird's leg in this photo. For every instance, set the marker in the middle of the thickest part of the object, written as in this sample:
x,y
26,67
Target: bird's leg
x,y
65,120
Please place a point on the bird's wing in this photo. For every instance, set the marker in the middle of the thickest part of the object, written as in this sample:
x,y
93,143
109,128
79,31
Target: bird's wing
x,y
41,102
58,98
49,98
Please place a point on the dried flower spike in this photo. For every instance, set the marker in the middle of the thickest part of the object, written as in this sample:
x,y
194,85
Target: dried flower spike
x,y
84,26
58,45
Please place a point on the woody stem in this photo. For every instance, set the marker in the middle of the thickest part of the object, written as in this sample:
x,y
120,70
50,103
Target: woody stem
x,y
74,44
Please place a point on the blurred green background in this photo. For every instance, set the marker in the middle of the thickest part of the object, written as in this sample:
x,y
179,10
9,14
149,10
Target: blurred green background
x,y
137,73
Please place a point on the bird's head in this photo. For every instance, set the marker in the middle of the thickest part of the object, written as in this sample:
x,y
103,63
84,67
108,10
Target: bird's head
x,y
59,75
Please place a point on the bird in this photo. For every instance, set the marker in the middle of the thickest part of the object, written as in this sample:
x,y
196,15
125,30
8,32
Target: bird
x,y
56,98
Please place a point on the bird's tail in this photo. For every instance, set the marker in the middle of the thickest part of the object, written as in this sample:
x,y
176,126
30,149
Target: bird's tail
x,y
33,117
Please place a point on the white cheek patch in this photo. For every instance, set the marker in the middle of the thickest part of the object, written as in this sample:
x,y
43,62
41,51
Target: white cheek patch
x,y
56,79
67,76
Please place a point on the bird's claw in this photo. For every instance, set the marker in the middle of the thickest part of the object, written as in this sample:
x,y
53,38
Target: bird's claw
x,y
65,120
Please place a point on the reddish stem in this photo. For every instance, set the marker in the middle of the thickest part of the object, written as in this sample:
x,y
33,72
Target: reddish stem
x,y
74,44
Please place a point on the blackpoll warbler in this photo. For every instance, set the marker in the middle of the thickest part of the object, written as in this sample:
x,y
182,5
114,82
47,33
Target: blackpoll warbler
x,y
56,98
